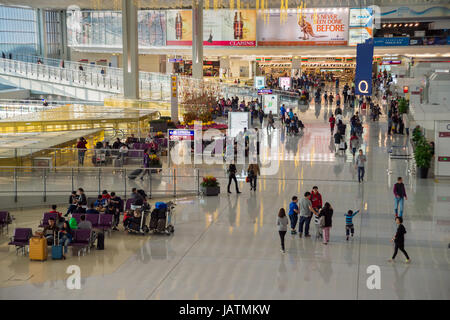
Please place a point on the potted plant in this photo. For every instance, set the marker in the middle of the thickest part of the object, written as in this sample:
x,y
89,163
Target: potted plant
x,y
403,105
210,186
423,155
155,162
159,135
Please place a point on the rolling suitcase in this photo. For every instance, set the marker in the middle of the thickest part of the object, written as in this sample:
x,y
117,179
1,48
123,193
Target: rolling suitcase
x,y
133,175
101,241
57,249
38,248
154,219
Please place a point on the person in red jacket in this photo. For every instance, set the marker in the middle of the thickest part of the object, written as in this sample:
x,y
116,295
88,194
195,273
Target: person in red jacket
x,y
316,198
332,122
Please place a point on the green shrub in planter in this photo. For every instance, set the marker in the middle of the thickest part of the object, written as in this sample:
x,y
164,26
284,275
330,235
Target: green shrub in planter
x,y
423,155
403,106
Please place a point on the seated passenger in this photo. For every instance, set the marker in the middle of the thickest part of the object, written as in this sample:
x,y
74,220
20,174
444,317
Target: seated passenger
x,y
100,201
65,236
84,224
73,223
54,210
72,203
79,209
92,210
50,231
105,197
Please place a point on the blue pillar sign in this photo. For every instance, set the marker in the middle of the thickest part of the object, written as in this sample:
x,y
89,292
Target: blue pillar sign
x,y
364,60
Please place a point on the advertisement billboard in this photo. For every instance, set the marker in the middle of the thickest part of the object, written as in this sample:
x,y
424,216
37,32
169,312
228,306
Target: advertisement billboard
x,y
389,42
237,122
270,104
324,26
260,82
361,17
359,35
220,28
151,28
285,83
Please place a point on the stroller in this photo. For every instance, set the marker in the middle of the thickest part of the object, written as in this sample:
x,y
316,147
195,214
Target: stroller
x,y
138,225
161,218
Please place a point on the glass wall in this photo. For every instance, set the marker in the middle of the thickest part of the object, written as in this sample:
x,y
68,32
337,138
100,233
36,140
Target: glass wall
x,y
104,28
18,30
53,31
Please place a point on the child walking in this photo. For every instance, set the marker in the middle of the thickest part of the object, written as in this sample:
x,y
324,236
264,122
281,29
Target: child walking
x,y
349,222
317,225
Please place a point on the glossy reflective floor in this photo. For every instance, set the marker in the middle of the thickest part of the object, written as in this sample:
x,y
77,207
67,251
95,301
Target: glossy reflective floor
x,y
227,247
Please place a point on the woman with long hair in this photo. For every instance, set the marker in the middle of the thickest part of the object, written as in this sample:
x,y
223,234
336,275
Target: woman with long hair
x,y
325,221
282,223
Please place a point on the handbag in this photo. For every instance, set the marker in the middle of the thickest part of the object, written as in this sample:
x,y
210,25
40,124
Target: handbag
x,y
322,222
247,179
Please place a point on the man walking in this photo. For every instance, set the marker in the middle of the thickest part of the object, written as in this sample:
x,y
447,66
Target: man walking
x,y
400,196
306,211
232,176
360,164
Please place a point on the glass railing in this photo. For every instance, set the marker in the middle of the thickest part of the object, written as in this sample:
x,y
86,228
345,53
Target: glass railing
x,y
152,85
22,183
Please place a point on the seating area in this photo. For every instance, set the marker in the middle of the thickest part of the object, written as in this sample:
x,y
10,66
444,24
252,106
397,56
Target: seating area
x,y
82,239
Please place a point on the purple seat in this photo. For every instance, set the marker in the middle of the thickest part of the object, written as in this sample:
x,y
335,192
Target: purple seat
x,y
81,239
77,216
4,221
46,217
21,239
105,222
128,204
93,218
134,154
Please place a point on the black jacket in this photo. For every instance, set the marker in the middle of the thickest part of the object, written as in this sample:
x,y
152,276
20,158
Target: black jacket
x,y
400,234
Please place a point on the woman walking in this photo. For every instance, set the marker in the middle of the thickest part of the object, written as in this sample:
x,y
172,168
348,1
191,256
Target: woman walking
x,y
282,223
253,173
399,240
325,216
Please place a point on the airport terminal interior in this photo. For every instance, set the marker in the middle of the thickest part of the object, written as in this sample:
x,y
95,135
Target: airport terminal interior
x,y
224,150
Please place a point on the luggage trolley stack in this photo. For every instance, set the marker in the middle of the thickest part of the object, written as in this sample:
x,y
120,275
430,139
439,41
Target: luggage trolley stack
x,y
162,218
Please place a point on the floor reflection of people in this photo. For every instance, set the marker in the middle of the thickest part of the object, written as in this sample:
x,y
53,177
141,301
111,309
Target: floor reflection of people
x,y
399,281
282,276
325,267
232,205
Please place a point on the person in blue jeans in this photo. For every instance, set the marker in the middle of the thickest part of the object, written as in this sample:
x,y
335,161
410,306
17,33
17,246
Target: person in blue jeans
x,y
293,214
306,212
360,164
400,197
65,236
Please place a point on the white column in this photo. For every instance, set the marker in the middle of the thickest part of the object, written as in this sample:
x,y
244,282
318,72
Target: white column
x,y
130,56
197,39
42,32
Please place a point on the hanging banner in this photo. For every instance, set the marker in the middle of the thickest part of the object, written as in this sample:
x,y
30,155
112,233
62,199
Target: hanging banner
x,y
359,35
363,75
361,17
322,26
220,28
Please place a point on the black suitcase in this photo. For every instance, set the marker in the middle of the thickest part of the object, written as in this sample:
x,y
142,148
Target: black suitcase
x,y
100,241
154,219
133,175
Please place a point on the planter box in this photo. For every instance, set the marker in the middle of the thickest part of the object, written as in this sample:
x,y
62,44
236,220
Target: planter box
x,y
156,168
159,126
210,191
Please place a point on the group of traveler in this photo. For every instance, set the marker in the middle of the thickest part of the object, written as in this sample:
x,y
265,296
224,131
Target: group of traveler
x,y
302,211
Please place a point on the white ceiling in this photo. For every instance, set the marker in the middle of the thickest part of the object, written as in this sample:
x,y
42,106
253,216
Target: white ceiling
x,y
157,4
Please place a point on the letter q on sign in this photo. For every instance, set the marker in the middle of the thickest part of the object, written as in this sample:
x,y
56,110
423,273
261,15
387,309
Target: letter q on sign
x,y
366,86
